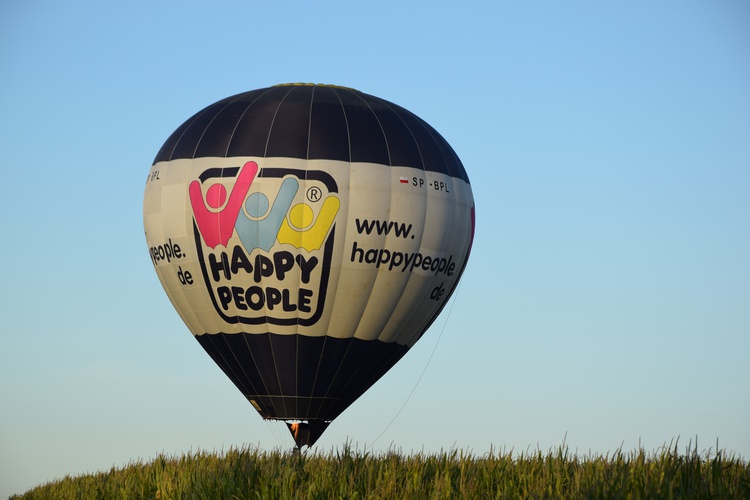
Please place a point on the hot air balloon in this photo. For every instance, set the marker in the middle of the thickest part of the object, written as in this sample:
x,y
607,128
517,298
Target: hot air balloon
x,y
307,235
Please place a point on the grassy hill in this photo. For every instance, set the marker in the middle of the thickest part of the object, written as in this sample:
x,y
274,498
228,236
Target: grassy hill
x,y
251,473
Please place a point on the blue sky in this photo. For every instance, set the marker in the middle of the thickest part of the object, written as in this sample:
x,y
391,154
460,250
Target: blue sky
x,y
607,299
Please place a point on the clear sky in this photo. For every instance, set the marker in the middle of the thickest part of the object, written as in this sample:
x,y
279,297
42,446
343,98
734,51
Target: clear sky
x,y
607,299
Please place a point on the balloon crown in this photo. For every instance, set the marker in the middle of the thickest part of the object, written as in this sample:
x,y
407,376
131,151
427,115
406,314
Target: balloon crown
x,y
307,84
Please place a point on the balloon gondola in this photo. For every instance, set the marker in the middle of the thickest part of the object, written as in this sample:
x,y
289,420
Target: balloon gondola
x,y
308,235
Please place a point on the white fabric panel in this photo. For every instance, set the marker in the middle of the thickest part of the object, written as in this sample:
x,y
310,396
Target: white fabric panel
x,y
316,248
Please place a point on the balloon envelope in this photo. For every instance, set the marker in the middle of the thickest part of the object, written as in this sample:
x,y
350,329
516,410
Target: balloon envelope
x,y
307,235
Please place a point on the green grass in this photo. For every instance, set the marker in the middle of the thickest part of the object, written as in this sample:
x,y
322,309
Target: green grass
x,y
349,473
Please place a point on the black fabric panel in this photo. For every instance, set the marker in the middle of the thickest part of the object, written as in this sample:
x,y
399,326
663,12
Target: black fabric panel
x,y
298,377
224,359
284,352
187,144
165,153
330,406
371,369
309,354
402,146
216,136
262,356
313,122
284,349
347,365
366,139
251,135
329,133
432,156
452,163
236,353
315,408
289,132
332,349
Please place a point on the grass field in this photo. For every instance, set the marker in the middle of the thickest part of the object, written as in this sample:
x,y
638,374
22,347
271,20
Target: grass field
x,y
349,473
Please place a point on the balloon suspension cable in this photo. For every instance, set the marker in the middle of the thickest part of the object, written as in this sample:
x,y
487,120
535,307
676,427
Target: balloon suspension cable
x,y
442,330
274,431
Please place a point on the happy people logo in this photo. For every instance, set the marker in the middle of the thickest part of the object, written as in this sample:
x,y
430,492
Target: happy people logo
x,y
265,239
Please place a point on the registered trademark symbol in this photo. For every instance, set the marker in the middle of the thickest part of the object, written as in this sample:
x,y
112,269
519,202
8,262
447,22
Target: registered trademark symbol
x,y
314,193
